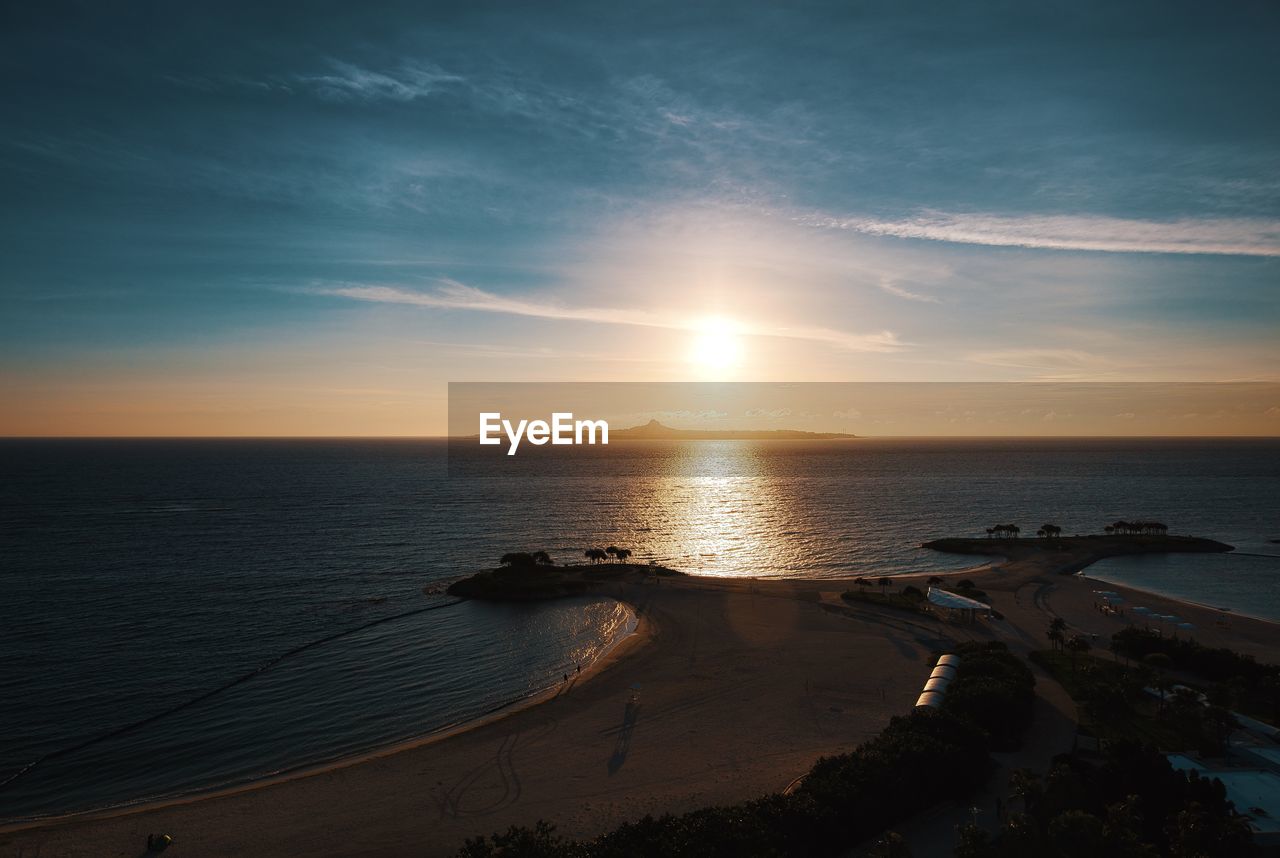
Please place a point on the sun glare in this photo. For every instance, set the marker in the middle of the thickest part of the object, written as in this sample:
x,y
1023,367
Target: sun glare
x,y
716,346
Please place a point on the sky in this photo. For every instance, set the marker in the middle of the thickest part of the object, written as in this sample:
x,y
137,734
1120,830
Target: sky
x,y
307,219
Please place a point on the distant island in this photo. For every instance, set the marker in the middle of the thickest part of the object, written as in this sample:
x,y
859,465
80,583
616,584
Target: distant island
x,y
653,430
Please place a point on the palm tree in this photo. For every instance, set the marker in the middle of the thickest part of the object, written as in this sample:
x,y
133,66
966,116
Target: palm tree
x,y
1117,650
1078,644
1025,784
1057,632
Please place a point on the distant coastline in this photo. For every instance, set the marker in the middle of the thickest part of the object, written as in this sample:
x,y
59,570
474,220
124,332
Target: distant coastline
x,y
655,431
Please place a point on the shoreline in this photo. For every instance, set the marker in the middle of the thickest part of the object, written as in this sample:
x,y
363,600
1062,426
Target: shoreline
x,y
1180,600
1234,612
1176,599
636,636
745,682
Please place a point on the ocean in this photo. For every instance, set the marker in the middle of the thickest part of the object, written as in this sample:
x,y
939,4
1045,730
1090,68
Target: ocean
x,y
179,615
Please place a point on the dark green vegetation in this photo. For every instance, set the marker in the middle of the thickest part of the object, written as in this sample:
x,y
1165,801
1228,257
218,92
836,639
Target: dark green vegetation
x,y
521,583
1114,707
909,598
1052,531
993,690
533,576
1126,803
1233,680
1077,552
917,761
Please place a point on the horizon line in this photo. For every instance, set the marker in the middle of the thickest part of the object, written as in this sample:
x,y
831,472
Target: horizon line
x,y
856,436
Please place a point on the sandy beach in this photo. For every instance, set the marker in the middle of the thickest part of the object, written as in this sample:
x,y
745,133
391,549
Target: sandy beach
x,y
738,685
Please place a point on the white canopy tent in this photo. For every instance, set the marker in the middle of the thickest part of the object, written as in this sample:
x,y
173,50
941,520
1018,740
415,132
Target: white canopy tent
x,y
970,608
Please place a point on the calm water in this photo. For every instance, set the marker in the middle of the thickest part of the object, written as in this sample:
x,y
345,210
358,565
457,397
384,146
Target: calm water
x,y
140,576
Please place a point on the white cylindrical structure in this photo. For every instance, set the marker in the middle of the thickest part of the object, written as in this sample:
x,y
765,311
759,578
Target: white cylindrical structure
x,y
929,700
937,683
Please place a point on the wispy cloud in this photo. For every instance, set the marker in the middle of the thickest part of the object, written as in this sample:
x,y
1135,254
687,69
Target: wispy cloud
x,y
887,285
458,296
1222,236
347,82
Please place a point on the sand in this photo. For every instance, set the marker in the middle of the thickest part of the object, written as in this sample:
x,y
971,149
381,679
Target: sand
x,y
742,685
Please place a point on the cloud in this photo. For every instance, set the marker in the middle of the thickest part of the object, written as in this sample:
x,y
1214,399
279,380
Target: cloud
x,y
1222,236
347,82
887,285
458,296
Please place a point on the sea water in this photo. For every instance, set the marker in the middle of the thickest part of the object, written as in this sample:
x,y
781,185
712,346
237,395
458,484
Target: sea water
x,y
182,615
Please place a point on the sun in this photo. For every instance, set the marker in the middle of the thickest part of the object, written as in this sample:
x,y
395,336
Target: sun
x,y
717,346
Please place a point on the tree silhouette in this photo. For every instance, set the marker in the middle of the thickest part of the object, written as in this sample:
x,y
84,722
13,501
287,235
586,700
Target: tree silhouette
x,y
1057,632
884,583
595,555
1076,645
612,551
622,554
542,558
